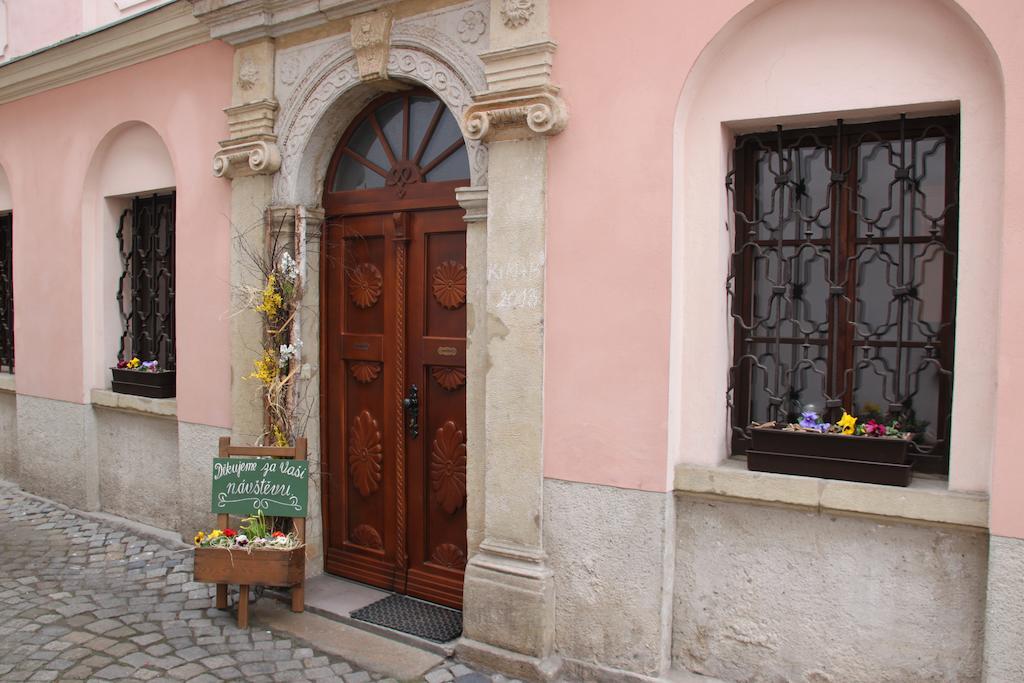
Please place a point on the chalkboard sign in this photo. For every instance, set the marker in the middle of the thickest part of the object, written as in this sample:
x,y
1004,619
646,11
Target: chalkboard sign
x,y
244,486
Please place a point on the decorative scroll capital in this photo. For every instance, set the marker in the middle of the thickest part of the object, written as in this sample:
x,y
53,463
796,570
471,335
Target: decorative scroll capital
x,y
371,40
516,115
253,157
252,148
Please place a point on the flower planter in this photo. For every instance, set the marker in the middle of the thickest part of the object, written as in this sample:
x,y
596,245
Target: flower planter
x,y
140,383
868,459
256,567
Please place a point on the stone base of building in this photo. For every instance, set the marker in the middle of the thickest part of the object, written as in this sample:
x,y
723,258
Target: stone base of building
x,y
1004,627
147,467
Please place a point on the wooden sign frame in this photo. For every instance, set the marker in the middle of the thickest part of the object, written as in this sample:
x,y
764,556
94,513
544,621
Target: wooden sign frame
x,y
298,590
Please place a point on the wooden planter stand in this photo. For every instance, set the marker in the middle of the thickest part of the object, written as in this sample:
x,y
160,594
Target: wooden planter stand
x,y
263,567
868,459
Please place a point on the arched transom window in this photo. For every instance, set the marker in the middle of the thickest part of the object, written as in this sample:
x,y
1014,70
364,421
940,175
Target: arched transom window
x,y
400,142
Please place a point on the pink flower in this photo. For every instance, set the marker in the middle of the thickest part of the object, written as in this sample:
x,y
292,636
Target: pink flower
x,y
873,428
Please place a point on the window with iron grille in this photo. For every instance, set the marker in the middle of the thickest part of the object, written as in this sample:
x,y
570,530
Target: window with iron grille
x,y
145,292
842,285
6,293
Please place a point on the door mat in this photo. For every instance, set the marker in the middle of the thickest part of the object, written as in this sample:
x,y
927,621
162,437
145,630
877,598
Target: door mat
x,y
415,617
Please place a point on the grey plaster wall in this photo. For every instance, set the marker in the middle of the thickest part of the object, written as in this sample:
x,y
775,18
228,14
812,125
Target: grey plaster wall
x,y
611,553
138,466
8,436
56,451
197,447
774,594
1004,632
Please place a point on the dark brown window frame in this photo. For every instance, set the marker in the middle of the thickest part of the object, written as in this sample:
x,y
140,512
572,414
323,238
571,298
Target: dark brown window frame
x,y
145,290
844,347
7,292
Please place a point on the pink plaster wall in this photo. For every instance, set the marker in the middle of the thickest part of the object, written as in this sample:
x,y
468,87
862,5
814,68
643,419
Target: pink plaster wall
x,y
35,24
49,142
610,239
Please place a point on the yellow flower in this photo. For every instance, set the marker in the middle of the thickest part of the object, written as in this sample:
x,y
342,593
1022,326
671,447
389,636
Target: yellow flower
x,y
266,369
199,538
847,422
272,300
216,533
279,438
134,363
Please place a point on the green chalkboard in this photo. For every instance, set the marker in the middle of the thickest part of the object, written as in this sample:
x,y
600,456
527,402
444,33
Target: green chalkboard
x,y
244,486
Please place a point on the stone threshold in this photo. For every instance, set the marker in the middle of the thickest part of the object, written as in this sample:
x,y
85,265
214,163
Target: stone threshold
x,y
926,500
335,598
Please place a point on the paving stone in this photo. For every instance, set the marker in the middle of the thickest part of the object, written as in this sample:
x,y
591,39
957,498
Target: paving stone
x,y
91,602
438,676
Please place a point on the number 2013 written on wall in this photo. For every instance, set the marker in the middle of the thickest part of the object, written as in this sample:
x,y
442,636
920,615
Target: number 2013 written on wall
x,y
244,486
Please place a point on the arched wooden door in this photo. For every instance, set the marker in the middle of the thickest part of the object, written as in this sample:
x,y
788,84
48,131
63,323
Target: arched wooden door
x,y
394,350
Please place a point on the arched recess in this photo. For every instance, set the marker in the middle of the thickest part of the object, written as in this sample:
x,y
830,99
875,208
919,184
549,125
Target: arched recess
x,y
330,94
862,61
130,160
6,199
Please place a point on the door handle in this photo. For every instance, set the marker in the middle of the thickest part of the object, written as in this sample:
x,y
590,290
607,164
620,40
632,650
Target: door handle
x,y
412,411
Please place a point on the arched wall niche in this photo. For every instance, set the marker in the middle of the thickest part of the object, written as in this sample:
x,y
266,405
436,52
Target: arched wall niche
x,y
875,60
6,198
130,160
330,95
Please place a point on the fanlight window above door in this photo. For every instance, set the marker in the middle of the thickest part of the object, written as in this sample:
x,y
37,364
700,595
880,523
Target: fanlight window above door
x,y
401,141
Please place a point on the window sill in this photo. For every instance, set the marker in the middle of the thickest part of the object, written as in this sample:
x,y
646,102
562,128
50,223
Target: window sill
x,y
7,382
160,407
926,499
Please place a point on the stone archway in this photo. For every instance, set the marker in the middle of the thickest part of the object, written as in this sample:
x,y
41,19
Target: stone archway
x,y
321,92
324,100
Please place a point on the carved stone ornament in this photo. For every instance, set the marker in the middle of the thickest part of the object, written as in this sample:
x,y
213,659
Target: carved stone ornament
x,y
516,13
371,40
448,467
472,26
248,74
252,147
251,157
365,453
516,115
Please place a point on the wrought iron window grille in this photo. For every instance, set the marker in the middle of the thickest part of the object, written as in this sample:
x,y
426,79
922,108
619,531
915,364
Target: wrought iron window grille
x,y
842,284
6,293
145,291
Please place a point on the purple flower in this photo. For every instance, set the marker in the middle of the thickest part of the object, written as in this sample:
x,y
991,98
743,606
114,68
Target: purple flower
x,y
809,420
823,428
150,365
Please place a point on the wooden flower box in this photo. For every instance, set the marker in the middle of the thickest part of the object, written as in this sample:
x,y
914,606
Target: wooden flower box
x,y
138,383
262,567
868,459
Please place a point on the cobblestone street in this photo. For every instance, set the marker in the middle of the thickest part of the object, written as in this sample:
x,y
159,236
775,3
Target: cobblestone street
x,y
85,600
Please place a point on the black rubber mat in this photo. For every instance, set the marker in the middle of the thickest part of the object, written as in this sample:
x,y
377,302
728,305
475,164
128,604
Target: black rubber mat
x,y
415,617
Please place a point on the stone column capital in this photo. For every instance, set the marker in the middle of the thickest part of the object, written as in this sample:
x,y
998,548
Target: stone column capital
x,y
520,101
474,201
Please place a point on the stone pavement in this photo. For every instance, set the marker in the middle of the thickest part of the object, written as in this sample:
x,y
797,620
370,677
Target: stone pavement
x,y
84,600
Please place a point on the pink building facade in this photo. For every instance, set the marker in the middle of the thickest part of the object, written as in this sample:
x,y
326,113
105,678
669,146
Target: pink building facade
x,y
612,528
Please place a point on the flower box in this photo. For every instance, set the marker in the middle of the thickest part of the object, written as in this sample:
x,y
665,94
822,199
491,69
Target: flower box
x,y
868,459
264,567
159,384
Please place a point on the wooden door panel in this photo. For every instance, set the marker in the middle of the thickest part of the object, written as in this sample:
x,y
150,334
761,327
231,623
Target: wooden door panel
x,y
360,316
437,458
